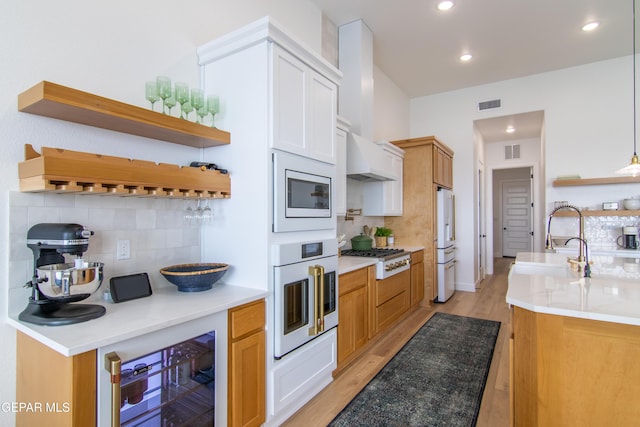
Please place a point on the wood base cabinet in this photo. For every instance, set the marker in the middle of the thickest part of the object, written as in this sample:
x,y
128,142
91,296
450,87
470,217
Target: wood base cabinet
x,y
353,312
574,372
247,365
391,299
64,387
417,277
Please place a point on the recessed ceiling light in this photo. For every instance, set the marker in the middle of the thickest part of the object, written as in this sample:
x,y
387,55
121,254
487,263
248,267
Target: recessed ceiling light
x,y
445,5
590,26
510,129
466,57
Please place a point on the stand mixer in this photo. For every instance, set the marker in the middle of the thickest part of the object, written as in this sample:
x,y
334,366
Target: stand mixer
x,y
56,284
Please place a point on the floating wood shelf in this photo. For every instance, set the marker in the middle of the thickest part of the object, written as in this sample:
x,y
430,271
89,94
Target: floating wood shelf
x,y
599,213
60,102
596,181
64,171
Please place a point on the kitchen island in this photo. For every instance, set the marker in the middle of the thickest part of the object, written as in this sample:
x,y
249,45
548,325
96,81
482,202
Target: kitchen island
x,y
575,343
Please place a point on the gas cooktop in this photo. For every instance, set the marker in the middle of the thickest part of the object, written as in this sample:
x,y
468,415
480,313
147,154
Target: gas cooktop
x,y
374,252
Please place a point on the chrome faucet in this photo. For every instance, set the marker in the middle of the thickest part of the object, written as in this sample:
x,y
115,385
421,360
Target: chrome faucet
x,y
581,260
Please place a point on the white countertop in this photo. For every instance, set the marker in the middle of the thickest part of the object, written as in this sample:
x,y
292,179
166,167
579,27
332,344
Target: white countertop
x,y
347,264
543,283
166,307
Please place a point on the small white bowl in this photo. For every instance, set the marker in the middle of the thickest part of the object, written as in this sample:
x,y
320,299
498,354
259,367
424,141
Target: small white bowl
x,y
631,204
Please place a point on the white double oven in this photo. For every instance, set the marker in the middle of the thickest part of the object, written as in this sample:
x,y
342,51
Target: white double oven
x,y
305,271
304,261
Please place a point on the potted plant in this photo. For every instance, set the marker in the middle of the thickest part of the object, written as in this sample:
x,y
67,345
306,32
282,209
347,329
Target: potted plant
x,y
382,233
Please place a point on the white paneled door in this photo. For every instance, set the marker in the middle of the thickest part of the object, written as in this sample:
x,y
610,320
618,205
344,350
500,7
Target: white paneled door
x,y
516,217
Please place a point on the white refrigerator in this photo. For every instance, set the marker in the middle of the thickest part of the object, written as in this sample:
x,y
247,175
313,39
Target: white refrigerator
x,y
446,239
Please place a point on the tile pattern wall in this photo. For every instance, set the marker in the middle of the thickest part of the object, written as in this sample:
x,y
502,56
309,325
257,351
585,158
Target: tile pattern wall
x,y
600,231
156,229
604,230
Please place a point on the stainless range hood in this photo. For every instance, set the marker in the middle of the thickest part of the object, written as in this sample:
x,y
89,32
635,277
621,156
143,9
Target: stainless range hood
x,y
366,161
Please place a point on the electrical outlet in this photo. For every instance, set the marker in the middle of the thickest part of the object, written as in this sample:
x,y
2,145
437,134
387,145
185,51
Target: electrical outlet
x,y
123,249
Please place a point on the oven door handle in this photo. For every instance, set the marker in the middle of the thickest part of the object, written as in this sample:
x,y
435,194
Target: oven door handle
x,y
113,364
317,272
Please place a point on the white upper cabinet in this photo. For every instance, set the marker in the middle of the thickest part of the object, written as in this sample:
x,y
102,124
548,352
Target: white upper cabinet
x,y
304,109
384,198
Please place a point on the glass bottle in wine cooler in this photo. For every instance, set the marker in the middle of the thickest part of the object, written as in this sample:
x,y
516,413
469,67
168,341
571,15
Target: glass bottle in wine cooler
x,y
172,387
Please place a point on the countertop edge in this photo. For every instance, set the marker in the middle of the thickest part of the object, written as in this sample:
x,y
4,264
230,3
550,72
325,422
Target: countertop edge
x,y
51,336
610,318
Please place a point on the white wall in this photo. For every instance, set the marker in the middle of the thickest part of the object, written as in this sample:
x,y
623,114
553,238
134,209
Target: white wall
x,y
110,49
588,131
390,110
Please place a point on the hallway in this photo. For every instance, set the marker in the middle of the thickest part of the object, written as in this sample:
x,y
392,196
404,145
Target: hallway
x,y
488,302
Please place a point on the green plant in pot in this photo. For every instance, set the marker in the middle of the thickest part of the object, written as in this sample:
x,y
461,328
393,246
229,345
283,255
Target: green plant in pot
x,y
382,233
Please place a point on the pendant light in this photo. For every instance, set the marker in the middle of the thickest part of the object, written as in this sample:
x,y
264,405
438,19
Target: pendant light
x,y
633,169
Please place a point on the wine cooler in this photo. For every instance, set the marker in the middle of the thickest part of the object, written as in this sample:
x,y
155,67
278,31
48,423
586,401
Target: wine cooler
x,y
175,382
172,387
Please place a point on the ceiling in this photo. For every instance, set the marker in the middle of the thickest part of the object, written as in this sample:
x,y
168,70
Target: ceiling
x,y
418,47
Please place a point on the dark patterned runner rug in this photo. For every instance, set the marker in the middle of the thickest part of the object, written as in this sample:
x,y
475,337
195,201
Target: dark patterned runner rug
x,y
436,379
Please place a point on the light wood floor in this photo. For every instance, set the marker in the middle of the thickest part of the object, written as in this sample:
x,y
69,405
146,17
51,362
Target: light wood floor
x,y
488,302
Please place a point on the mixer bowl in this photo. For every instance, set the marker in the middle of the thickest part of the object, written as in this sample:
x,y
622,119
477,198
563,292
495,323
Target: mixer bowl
x,y
65,282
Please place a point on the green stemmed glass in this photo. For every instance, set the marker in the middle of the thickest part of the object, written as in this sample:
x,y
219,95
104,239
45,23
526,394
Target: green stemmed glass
x,y
182,95
163,85
186,109
202,113
197,101
213,107
151,93
170,102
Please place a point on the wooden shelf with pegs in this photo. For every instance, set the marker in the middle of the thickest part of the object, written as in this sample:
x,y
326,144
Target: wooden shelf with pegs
x,y
65,171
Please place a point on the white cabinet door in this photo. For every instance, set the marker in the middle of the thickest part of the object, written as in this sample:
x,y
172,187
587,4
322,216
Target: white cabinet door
x,y
341,170
304,109
289,91
321,114
385,198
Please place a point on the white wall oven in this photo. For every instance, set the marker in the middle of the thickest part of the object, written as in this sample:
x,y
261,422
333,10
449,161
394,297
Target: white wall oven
x,y
306,293
303,196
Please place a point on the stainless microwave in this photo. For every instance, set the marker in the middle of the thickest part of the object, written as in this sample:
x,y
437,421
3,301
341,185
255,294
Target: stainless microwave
x,y
303,196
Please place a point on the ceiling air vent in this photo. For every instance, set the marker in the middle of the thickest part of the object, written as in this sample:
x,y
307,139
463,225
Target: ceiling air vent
x,y
512,151
488,105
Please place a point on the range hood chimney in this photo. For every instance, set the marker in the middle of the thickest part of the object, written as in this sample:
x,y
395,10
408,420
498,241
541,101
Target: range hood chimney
x,y
355,60
366,161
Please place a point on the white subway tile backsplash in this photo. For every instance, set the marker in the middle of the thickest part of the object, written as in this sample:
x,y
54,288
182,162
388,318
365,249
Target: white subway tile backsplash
x,y
74,215
101,219
54,200
125,219
157,232
145,219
